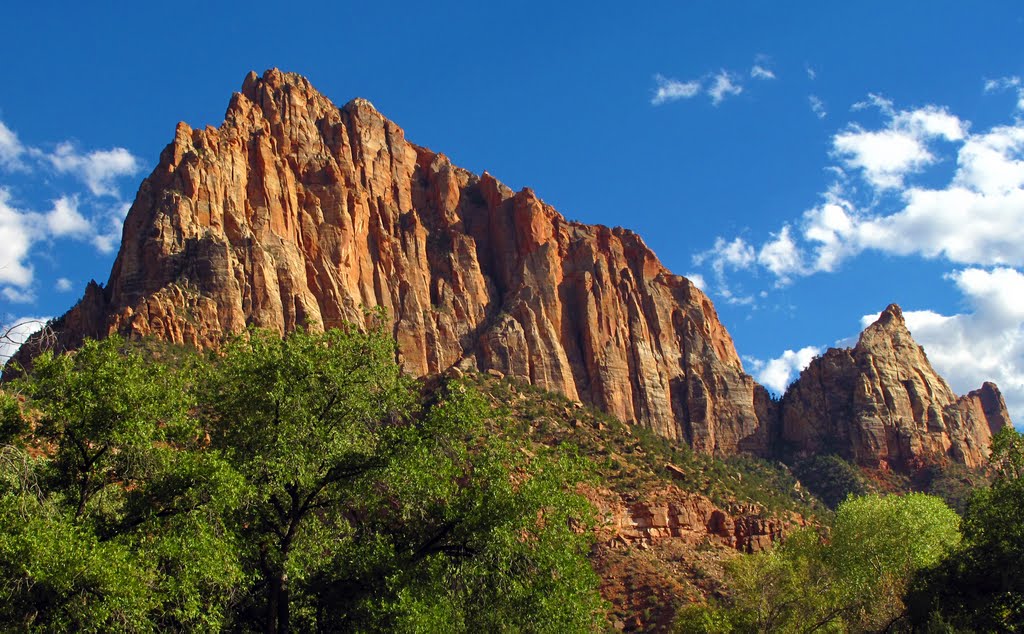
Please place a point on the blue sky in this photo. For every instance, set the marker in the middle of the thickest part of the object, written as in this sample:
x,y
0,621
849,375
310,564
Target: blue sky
x,y
809,162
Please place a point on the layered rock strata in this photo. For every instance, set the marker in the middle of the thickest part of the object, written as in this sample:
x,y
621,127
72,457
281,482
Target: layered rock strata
x,y
881,404
297,212
673,514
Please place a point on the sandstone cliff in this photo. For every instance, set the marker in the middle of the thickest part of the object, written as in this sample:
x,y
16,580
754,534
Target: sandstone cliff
x,y
881,404
294,211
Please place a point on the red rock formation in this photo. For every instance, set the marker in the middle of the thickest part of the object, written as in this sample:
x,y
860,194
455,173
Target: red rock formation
x,y
295,211
882,404
671,513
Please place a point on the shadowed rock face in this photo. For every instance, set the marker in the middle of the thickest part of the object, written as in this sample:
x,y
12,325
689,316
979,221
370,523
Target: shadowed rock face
x,y
882,404
296,212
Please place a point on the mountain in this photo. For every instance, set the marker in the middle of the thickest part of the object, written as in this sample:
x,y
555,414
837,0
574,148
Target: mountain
x,y
295,211
881,404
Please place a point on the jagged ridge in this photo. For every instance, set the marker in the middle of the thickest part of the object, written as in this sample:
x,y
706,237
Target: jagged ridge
x,y
295,211
881,404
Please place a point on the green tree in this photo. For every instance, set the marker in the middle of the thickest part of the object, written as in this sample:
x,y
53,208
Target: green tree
x,y
114,524
467,533
303,420
852,580
299,482
980,587
363,508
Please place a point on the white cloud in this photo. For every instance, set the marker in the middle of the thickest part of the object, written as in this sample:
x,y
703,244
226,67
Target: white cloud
x,y
64,219
817,106
15,331
697,279
88,216
717,86
781,256
724,85
16,238
811,73
1007,83
986,343
734,254
17,295
21,230
776,374
674,90
972,216
888,155
11,148
885,156
63,285
98,169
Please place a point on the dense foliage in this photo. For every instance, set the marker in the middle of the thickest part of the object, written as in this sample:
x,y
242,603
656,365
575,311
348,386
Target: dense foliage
x,y
981,586
297,483
852,579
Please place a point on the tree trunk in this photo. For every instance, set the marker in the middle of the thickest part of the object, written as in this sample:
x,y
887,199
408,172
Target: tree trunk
x,y
278,613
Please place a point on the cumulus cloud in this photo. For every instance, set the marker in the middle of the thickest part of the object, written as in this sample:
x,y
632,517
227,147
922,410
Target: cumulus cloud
x,y
760,72
94,215
673,90
16,236
723,85
62,285
98,170
776,374
781,255
984,343
65,220
974,216
886,156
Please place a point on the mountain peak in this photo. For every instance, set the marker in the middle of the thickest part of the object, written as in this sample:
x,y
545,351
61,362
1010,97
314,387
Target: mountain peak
x,y
882,404
892,314
296,212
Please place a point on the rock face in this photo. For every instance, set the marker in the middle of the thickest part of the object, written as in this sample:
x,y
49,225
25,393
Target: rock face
x,y
881,404
671,513
297,212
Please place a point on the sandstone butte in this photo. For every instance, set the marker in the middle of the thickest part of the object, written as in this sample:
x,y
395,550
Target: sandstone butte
x,y
295,211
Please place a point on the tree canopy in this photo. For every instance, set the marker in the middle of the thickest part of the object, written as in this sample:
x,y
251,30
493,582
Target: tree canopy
x,y
980,587
852,578
280,483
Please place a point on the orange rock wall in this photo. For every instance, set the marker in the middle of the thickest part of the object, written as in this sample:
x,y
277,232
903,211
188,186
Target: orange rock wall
x,y
296,212
882,404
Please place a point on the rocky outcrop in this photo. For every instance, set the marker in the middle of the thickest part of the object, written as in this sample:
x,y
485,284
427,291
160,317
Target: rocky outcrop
x,y
673,514
881,404
297,212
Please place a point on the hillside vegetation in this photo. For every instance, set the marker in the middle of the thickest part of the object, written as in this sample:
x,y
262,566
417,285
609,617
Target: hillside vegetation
x,y
305,483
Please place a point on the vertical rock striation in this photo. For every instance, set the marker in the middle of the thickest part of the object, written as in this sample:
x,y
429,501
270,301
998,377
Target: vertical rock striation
x,y
297,212
881,404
